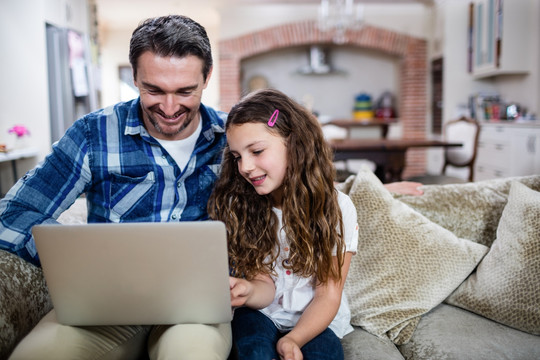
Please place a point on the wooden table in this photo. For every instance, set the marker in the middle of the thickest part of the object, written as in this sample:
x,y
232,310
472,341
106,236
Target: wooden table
x,y
387,154
348,124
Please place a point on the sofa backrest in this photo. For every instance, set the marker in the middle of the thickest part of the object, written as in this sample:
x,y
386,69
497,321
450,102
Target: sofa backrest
x,y
471,210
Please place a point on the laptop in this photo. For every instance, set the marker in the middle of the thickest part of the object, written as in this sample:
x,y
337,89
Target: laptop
x,y
136,273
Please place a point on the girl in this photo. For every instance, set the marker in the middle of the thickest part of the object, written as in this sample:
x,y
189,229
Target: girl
x,y
285,220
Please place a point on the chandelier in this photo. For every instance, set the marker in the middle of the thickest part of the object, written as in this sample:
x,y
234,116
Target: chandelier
x,y
338,16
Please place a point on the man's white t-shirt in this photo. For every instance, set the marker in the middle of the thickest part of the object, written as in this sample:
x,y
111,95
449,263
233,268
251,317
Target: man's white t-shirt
x,y
180,150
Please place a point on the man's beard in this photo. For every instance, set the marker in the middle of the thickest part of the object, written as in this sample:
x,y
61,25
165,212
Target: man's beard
x,y
160,130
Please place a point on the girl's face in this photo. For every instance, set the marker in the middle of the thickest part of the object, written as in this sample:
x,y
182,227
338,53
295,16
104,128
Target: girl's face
x,y
261,157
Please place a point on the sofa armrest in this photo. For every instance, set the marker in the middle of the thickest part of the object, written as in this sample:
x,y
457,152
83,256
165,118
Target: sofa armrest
x,y
24,297
24,300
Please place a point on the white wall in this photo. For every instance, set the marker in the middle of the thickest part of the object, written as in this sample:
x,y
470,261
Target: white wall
x,y
24,95
23,70
113,55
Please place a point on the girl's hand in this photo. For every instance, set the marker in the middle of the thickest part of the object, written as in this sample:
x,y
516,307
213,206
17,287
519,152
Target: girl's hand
x,y
256,294
241,290
288,349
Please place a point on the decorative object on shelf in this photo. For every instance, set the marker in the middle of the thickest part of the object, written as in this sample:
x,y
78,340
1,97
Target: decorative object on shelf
x,y
384,107
318,62
363,107
339,16
19,130
513,111
491,107
485,106
21,133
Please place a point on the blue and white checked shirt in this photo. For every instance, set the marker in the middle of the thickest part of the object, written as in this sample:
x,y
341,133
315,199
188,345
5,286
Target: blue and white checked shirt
x,y
126,174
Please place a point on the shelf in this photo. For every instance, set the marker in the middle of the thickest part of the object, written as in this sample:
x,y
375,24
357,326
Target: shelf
x,y
497,72
367,122
376,122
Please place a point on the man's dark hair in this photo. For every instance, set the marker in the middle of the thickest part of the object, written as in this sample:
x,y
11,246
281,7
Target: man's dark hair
x,y
173,35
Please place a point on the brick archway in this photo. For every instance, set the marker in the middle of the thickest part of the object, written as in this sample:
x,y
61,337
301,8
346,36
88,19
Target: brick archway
x,y
410,50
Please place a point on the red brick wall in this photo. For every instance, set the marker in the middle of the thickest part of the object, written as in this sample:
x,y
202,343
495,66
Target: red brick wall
x,y
413,69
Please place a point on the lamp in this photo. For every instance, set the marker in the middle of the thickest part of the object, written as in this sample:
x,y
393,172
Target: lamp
x,y
338,16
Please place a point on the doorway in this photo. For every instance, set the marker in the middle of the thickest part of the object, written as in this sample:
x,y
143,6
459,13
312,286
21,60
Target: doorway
x,y
437,95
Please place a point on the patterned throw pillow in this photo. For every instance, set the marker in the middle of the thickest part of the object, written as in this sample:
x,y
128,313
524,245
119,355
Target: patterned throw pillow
x,y
405,264
24,298
506,284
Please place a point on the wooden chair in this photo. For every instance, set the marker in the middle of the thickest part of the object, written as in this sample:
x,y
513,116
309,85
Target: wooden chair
x,y
466,131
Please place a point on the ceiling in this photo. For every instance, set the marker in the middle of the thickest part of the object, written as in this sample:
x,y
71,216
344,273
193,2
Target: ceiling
x,y
128,13
427,2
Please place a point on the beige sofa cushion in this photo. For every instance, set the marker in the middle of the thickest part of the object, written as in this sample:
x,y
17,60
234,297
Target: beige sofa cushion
x,y
471,211
405,264
506,285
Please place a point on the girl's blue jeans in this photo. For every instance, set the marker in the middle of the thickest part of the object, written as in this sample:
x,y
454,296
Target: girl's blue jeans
x,y
255,337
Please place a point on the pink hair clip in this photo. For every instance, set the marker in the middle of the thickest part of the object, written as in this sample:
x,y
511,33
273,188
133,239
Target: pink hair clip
x,y
273,118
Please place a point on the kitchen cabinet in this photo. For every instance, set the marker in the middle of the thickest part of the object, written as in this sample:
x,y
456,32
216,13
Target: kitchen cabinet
x,y
506,150
500,37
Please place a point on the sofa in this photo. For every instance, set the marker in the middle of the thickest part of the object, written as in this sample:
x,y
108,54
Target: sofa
x,y
451,274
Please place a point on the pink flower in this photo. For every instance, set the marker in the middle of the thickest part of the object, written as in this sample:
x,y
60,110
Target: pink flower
x,y
19,130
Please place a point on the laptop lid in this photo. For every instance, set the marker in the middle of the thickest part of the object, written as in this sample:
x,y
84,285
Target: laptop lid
x,y
136,273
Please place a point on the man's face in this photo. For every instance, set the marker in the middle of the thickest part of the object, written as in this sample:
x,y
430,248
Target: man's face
x,y
170,90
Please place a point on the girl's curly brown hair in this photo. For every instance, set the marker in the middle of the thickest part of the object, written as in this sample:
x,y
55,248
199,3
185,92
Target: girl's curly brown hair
x,y
312,218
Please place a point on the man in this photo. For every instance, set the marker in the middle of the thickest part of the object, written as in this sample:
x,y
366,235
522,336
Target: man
x,y
154,158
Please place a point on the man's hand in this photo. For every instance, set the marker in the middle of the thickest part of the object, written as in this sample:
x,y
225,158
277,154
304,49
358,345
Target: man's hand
x,y
404,188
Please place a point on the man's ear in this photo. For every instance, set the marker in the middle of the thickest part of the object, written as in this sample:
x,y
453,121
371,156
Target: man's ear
x,y
135,78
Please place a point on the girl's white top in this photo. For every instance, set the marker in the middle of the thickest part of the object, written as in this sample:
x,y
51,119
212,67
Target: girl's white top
x,y
294,293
